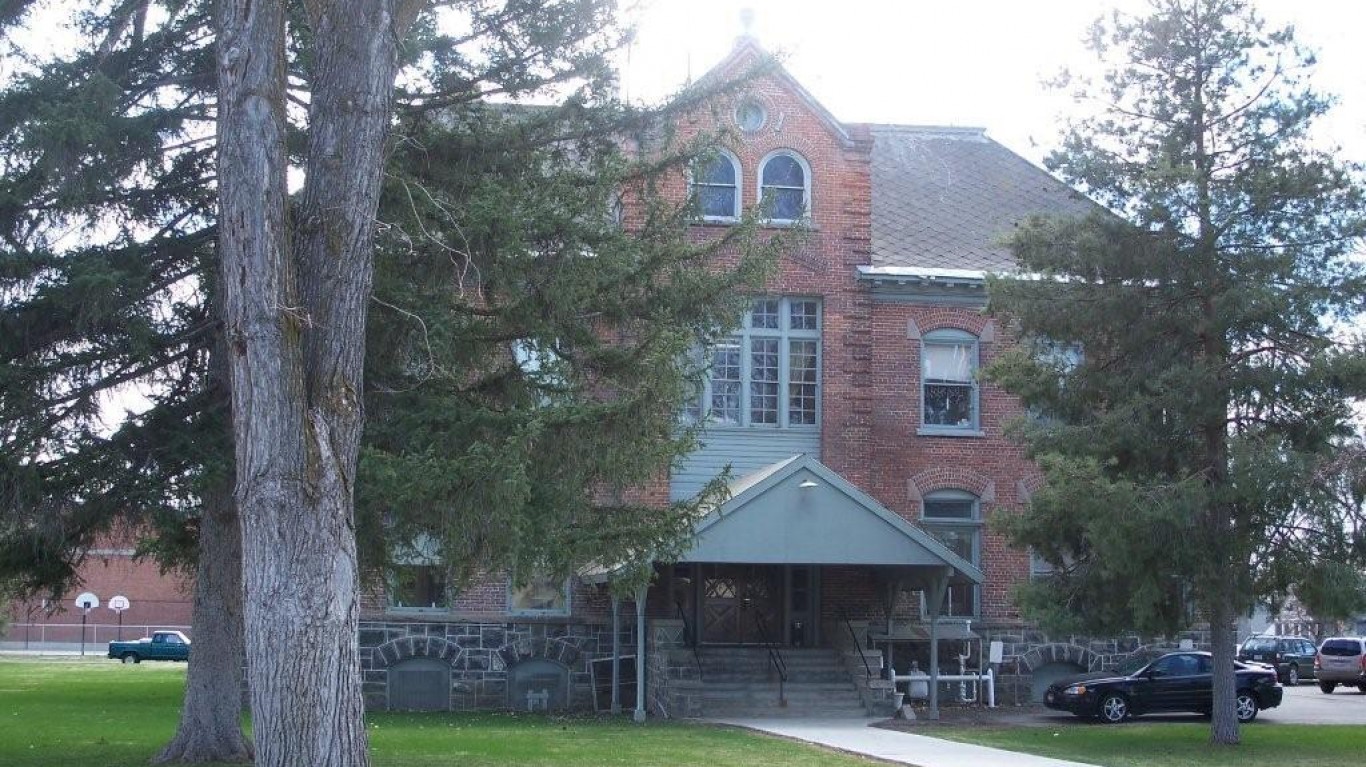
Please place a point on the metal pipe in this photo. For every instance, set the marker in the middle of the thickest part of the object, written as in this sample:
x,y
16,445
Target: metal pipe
x,y
616,654
989,679
934,664
641,665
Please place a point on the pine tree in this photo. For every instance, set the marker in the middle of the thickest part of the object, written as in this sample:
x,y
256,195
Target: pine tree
x,y
1187,380
106,219
118,143
540,303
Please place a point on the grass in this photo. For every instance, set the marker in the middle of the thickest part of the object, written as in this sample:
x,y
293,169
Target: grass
x,y
1171,744
99,713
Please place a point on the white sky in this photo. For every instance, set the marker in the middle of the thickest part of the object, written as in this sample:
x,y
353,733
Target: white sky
x,y
971,62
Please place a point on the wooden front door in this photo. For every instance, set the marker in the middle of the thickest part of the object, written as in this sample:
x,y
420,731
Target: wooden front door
x,y
742,604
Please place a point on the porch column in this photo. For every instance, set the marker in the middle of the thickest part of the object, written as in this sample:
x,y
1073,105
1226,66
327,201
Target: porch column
x,y
616,654
639,714
934,601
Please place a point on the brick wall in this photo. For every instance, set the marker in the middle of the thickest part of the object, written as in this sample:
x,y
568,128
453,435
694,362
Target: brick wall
x,y
156,599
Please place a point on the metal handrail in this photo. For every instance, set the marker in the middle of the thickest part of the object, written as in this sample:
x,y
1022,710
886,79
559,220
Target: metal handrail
x,y
775,656
688,638
844,616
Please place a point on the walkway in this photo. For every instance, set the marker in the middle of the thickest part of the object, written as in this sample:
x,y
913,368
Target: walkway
x,y
855,736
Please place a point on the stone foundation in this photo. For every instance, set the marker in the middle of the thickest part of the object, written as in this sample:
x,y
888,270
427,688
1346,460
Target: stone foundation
x,y
480,655
674,684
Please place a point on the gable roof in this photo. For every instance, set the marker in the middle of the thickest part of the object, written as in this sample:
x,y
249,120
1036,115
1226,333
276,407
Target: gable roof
x,y
945,198
800,511
748,54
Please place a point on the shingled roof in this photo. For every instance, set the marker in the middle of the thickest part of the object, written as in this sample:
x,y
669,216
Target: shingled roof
x,y
946,197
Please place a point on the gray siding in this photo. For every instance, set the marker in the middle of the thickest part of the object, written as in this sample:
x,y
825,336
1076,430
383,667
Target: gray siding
x,y
746,450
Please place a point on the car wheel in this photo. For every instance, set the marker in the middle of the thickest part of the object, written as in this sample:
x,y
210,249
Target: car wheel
x,y
1113,709
129,657
1246,707
1328,687
1292,675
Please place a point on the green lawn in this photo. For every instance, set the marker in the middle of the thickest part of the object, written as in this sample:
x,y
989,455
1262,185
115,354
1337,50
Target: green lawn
x,y
1171,744
99,713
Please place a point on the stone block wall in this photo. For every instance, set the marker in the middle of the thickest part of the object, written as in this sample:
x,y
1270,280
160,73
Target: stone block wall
x,y
673,680
481,654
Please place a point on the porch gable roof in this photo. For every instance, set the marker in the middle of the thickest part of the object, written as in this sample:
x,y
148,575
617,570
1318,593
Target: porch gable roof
x,y
799,511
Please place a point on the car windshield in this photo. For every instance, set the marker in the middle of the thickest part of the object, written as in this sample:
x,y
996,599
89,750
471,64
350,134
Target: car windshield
x,y
1133,665
1259,645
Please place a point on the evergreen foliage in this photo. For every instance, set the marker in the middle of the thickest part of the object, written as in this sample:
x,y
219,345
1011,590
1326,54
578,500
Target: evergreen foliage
x,y
538,308
501,232
1186,448
107,409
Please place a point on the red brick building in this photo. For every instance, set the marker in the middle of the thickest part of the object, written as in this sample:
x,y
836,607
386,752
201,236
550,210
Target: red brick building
x,y
155,600
868,458
868,453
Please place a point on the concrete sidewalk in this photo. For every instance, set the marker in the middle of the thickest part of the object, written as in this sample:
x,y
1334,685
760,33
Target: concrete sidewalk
x,y
855,736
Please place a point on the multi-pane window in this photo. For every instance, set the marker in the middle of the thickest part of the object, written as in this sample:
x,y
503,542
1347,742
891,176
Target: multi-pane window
x,y
716,184
954,518
768,373
726,382
802,384
763,380
948,380
784,187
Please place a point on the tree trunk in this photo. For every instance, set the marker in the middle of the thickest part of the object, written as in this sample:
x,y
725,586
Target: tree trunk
x,y
1224,724
295,326
211,717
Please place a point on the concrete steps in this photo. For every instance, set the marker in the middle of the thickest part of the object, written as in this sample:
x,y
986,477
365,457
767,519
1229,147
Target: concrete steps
x,y
740,682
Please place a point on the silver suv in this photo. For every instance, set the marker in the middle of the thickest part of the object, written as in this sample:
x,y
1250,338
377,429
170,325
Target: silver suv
x,y
1341,660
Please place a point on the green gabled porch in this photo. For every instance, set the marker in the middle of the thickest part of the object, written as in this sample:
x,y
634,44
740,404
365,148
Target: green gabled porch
x,y
759,569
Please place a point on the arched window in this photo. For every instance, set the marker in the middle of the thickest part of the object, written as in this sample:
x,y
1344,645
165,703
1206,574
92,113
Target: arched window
x,y
785,187
948,382
716,185
954,518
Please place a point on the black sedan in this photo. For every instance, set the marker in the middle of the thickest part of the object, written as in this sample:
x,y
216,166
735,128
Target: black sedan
x,y
1178,681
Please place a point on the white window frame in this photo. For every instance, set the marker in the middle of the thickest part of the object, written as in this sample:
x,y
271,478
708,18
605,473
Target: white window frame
x,y
953,337
693,184
806,186
785,334
973,524
524,612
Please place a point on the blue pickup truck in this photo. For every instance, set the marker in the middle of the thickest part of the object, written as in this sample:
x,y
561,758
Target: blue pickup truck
x,y
161,645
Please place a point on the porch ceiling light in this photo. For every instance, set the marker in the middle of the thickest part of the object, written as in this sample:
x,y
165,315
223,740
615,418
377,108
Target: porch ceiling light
x,y
808,484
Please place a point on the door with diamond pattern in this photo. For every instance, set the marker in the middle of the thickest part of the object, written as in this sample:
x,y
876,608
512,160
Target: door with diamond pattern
x,y
740,603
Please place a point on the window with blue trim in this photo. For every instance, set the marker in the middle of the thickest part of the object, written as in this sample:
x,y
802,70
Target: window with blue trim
x,y
954,518
716,187
948,381
768,373
784,187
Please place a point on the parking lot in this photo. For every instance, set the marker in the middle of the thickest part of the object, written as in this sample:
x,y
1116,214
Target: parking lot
x,y
1306,705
